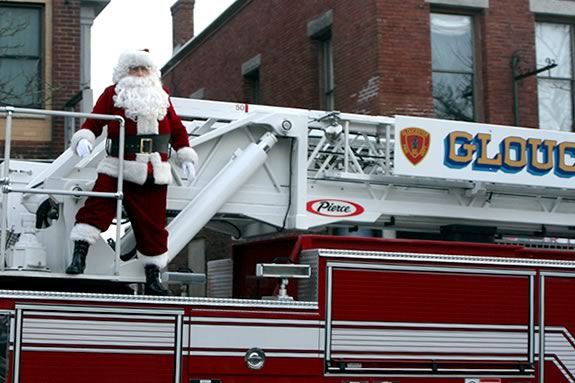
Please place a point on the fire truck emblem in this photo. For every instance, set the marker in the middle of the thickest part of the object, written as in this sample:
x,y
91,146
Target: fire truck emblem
x,y
414,144
334,208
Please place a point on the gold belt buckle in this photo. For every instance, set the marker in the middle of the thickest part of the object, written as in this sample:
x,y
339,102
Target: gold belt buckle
x,y
146,145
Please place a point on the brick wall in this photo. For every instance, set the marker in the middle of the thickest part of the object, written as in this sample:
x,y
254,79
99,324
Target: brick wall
x,y
66,65
405,57
289,58
382,57
508,26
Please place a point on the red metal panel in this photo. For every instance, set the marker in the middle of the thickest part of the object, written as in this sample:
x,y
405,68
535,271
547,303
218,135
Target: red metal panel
x,y
61,367
559,327
274,367
405,296
406,245
427,246
425,319
559,302
553,374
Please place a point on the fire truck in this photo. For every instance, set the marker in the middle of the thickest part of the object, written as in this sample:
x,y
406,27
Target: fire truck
x,y
373,249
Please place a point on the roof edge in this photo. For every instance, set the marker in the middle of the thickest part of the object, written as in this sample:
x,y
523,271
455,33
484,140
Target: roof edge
x,y
97,5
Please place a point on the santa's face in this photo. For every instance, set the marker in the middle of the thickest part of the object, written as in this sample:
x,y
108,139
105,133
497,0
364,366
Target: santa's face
x,y
143,99
139,71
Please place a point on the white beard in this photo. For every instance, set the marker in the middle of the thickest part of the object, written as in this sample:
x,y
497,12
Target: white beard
x,y
144,101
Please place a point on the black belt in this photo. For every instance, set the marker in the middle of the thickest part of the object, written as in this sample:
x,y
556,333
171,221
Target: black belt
x,y
145,143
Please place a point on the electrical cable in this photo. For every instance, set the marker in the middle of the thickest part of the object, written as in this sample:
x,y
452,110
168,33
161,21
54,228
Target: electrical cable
x,y
290,185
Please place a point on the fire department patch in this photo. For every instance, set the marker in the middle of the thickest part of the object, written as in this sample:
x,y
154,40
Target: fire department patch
x,y
414,144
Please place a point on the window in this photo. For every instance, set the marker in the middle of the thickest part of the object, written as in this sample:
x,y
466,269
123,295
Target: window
x,y
252,86
554,87
453,65
20,52
328,83
251,74
319,30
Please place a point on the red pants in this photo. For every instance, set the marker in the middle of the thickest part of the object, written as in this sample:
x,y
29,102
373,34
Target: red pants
x,y
146,208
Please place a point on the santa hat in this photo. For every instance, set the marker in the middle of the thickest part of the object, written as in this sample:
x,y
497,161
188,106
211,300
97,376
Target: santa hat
x,y
134,58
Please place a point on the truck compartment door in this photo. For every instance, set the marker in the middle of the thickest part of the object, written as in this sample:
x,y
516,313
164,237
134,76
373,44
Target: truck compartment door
x,y
557,317
97,344
428,320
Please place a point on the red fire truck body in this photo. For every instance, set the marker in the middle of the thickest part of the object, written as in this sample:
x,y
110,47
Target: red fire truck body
x,y
377,311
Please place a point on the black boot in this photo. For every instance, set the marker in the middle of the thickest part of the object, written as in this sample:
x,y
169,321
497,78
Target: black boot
x,y
79,259
153,285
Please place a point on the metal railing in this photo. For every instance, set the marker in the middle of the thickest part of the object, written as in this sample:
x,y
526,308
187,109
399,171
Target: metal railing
x,y
364,153
9,111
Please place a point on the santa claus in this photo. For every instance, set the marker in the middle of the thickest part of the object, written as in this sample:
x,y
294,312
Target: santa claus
x,y
151,126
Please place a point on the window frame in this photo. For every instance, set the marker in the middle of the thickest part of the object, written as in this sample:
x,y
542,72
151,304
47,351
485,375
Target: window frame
x,y
40,100
571,23
251,75
477,90
319,30
327,72
253,90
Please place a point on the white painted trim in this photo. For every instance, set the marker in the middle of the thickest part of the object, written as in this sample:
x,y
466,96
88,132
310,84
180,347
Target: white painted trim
x,y
420,357
462,3
553,7
80,310
82,314
222,320
489,272
227,337
132,351
434,325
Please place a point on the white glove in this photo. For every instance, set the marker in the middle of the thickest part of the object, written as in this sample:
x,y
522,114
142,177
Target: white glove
x,y
84,148
189,171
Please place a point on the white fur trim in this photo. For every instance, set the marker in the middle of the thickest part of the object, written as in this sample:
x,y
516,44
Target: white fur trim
x,y
85,232
159,260
133,58
137,171
162,170
147,125
81,134
162,173
187,154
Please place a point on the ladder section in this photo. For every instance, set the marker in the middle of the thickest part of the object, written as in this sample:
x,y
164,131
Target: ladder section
x,y
397,173
423,174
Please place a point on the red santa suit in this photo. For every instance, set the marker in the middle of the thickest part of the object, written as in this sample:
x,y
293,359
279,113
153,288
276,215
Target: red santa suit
x,y
146,172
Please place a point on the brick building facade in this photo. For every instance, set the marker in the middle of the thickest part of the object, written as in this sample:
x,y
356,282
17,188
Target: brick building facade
x,y
45,61
444,58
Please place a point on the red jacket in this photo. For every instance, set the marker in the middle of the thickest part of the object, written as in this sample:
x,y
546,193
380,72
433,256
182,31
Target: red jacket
x,y
136,166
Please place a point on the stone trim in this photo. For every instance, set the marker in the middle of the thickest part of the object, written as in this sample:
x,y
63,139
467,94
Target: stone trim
x,y
252,65
553,7
319,25
462,3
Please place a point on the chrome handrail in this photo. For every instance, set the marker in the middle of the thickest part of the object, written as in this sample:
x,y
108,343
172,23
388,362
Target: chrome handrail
x,y
9,111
